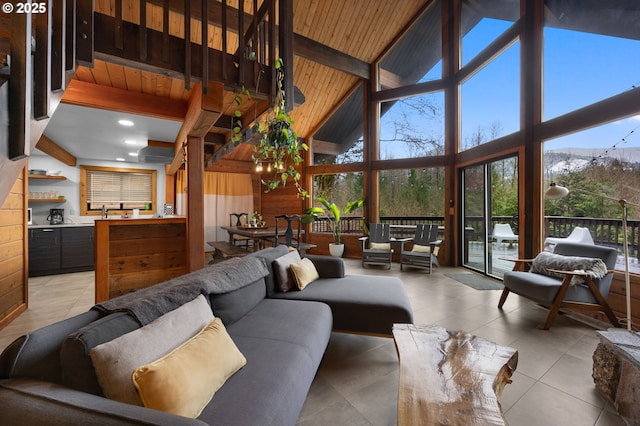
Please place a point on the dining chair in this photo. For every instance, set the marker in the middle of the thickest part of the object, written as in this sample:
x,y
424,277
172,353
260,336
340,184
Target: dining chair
x,y
376,248
425,248
288,229
240,219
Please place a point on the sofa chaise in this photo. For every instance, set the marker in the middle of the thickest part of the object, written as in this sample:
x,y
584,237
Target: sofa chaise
x,y
270,342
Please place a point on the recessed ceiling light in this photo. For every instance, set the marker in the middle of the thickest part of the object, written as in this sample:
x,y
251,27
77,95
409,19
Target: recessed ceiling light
x,y
133,154
130,142
119,159
127,123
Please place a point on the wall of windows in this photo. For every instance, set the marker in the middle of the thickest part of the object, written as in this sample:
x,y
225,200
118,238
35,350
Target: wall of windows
x,y
412,127
517,83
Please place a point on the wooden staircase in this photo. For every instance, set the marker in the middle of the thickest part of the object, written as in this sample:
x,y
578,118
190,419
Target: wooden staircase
x,y
44,49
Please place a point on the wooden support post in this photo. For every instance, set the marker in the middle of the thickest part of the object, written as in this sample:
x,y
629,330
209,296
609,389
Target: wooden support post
x,y
195,202
70,33
42,64
286,49
84,28
58,36
118,33
143,30
204,20
166,53
20,87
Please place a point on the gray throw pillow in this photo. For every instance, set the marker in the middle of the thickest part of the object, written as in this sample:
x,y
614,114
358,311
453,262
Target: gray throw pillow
x,y
116,360
284,279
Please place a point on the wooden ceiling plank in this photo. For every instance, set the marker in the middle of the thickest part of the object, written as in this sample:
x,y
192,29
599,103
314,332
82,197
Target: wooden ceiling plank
x,y
54,150
84,74
100,73
133,79
117,76
113,99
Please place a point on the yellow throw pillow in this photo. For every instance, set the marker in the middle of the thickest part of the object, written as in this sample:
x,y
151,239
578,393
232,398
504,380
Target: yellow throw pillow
x,y
380,246
417,248
304,272
184,381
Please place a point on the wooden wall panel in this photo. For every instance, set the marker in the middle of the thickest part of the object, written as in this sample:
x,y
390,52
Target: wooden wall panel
x,y
352,246
136,253
13,252
618,300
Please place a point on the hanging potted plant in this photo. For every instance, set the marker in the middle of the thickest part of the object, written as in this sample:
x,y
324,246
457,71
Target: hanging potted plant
x,y
334,215
279,148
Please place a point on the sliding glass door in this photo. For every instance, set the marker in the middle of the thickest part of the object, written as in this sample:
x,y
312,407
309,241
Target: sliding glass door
x,y
489,198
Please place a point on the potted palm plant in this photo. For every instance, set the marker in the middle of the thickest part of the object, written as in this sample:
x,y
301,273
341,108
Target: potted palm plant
x,y
334,215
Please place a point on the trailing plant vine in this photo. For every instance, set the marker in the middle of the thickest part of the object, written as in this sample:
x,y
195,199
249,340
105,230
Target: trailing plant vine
x,y
279,147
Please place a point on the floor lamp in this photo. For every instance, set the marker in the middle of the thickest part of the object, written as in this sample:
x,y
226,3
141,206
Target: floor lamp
x,y
555,192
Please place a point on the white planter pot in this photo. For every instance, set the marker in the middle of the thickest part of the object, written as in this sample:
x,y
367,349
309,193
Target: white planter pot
x,y
336,250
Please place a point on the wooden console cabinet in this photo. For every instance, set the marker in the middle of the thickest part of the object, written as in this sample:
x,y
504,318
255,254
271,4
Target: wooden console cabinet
x,y
136,253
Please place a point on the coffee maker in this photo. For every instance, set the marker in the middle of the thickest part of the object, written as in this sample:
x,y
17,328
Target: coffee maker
x,y
56,216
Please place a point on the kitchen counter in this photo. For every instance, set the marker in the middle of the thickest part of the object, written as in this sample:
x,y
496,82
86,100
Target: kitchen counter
x,y
135,253
62,225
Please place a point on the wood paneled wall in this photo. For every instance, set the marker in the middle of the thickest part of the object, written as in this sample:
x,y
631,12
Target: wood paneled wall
x,y
13,252
618,298
136,253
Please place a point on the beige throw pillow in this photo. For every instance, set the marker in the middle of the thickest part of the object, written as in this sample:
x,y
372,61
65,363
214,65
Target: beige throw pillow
x,y
380,246
304,272
417,248
184,381
281,270
114,361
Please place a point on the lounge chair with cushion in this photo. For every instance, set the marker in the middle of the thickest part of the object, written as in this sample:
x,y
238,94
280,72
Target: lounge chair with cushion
x,y
376,248
424,252
575,275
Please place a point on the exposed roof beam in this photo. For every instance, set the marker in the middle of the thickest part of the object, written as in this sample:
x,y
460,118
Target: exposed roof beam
x,y
113,99
54,150
203,112
328,148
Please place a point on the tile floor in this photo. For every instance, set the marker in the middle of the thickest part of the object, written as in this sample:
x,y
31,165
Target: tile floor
x,y
358,378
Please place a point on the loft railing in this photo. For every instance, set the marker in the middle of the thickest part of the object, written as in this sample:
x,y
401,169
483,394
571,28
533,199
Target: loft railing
x,y
222,43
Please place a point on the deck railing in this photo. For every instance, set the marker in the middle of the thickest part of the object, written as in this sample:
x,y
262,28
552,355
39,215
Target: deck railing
x,y
606,232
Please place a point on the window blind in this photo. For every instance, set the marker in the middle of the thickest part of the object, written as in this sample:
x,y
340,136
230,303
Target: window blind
x,y
105,187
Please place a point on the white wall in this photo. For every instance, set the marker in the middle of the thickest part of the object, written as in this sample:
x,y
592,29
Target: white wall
x,y
70,188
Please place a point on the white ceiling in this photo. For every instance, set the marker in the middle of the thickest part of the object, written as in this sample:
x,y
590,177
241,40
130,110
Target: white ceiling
x,y
95,134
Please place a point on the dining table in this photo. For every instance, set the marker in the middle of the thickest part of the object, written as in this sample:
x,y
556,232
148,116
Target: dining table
x,y
259,235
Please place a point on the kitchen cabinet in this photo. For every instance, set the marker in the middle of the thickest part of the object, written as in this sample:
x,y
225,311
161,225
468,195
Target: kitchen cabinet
x,y
77,248
59,250
44,251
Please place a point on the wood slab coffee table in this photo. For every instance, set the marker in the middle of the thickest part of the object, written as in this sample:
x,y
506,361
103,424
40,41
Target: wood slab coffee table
x,y
450,377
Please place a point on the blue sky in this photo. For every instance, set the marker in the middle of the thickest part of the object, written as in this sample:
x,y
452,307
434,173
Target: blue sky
x,y
579,69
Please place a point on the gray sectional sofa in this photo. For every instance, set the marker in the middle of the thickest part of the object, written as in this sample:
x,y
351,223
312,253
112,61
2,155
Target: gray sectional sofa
x,y
52,376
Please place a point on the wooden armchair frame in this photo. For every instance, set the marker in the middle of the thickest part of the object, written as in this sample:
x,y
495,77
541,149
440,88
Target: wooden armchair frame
x,y
559,302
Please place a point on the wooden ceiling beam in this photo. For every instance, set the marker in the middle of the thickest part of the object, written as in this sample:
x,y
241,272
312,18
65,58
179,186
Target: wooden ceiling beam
x,y
324,147
231,166
93,95
54,150
203,112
